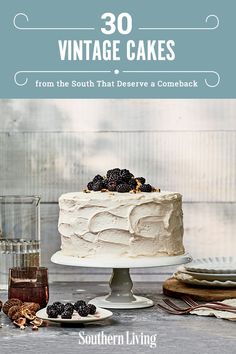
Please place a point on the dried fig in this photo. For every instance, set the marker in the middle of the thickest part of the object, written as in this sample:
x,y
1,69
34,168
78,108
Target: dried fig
x,y
27,313
20,322
13,310
9,303
37,322
16,315
32,306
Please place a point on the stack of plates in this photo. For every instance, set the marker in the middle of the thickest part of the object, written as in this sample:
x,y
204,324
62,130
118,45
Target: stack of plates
x,y
212,271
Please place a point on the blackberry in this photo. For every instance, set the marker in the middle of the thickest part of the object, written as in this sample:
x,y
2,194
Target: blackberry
x,y
66,315
141,179
97,186
49,308
115,176
105,183
92,309
78,304
146,188
110,172
83,311
116,169
125,175
70,312
52,313
111,186
60,308
123,188
133,183
97,178
69,306
120,180
90,186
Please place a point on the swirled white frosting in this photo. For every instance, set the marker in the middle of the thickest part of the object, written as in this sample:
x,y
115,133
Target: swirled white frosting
x,y
121,224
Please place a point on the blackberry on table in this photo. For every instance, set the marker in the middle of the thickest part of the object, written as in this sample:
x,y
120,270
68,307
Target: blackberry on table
x,y
146,188
52,313
142,180
90,186
92,309
60,308
123,188
66,315
83,311
70,311
97,186
78,304
69,306
49,308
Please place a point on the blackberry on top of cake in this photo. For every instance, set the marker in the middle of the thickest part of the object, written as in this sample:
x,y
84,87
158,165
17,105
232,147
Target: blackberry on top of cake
x,y
121,181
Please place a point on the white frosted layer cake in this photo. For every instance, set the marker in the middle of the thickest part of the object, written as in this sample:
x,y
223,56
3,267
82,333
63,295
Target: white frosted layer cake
x,y
111,224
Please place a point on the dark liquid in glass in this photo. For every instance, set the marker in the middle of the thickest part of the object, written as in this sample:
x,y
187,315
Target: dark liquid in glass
x,y
26,293
29,284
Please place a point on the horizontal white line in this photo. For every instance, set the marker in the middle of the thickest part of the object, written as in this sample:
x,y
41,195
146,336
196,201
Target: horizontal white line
x,y
179,72
23,72
20,14
185,28
171,71
174,29
62,71
55,29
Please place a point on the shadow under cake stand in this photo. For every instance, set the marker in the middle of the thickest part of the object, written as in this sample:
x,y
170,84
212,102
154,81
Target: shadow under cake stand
x,y
121,295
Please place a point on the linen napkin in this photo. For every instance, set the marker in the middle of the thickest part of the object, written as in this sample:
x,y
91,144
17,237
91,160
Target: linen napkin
x,y
227,315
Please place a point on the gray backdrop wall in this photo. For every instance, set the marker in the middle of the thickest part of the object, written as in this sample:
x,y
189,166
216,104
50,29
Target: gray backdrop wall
x,y
49,147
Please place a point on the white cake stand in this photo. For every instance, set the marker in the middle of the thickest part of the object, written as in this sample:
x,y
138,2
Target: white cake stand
x,y
121,295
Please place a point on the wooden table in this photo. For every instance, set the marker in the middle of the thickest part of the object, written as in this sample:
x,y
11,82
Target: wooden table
x,y
174,334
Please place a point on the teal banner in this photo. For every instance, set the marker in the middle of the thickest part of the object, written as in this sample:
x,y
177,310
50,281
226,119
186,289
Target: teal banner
x,y
117,49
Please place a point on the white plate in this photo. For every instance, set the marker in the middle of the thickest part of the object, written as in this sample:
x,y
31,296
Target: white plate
x,y
101,314
208,276
188,279
224,265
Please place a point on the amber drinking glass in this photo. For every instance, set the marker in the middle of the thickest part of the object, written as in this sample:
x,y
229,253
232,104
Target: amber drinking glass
x,y
29,284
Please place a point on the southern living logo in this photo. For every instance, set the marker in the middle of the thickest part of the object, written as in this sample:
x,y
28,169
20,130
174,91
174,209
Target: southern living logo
x,y
127,338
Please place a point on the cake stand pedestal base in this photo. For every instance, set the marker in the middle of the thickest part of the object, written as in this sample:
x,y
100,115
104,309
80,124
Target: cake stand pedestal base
x,y
121,295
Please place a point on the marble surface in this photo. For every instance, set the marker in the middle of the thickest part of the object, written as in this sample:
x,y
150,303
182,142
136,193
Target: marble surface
x,y
171,333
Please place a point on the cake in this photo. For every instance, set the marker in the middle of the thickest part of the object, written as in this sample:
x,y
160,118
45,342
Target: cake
x,y
122,222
